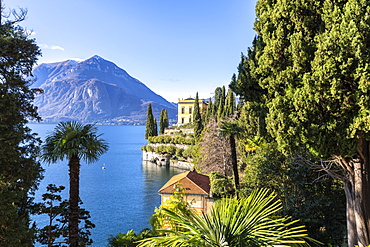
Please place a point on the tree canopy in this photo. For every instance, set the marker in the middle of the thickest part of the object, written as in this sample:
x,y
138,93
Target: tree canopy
x,y
309,69
20,170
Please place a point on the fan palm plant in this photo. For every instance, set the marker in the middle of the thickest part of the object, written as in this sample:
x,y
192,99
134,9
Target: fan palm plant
x,y
233,222
75,142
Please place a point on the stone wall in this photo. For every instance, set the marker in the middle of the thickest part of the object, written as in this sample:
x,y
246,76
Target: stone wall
x,y
165,160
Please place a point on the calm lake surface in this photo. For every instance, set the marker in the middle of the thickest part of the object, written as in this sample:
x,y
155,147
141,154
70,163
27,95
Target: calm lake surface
x,y
122,196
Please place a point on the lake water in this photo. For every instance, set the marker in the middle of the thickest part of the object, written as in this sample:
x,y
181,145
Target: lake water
x,y
122,196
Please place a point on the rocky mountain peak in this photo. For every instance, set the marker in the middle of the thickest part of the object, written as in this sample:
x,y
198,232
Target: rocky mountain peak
x,y
94,90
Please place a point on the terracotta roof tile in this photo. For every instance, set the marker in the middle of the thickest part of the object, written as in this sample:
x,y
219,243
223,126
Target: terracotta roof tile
x,y
192,182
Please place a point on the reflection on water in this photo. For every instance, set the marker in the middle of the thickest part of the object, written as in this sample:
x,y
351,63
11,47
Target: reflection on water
x,y
154,178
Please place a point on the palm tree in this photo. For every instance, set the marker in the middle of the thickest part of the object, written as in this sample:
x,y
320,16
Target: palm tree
x,y
232,131
233,222
73,141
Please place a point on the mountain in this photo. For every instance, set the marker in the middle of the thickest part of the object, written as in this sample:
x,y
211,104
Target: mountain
x,y
94,90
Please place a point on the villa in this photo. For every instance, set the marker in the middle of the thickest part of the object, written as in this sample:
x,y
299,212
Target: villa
x,y
197,189
185,110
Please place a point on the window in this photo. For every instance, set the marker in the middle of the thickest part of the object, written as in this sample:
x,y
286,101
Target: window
x,y
189,119
183,110
182,120
190,110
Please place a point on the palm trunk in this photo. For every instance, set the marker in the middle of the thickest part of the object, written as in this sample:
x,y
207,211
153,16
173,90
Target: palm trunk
x,y
74,197
234,163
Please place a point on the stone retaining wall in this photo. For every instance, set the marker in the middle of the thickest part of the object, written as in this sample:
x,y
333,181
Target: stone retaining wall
x,y
165,160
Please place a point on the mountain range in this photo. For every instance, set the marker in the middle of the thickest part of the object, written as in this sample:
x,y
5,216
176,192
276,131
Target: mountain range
x,y
94,90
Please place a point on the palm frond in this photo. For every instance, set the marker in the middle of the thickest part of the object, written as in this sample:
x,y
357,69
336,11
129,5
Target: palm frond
x,y
73,139
234,222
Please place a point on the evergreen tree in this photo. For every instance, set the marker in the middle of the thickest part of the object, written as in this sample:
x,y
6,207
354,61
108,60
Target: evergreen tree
x,y
163,121
57,211
230,105
20,170
166,122
221,104
155,127
150,123
209,112
216,104
198,124
246,83
313,71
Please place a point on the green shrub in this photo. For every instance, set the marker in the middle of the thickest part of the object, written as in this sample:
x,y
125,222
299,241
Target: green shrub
x,y
179,152
129,239
147,148
171,149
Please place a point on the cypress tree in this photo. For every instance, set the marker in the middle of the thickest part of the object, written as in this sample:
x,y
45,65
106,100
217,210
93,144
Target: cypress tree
x,y
216,104
155,127
221,105
209,112
314,70
20,170
198,124
163,121
230,104
150,123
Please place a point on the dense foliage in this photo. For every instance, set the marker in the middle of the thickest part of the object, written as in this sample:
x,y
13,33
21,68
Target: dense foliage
x,y
307,194
304,85
20,170
314,68
129,239
171,139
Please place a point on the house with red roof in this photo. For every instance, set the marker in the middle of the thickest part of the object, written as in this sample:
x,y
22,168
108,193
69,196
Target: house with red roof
x,y
197,190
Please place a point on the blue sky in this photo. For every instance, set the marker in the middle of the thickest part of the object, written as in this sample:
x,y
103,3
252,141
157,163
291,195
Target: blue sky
x,y
175,47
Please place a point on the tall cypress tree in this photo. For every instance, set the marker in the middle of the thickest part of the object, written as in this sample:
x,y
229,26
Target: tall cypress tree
x,y
221,104
166,122
230,104
150,123
20,170
163,121
216,103
155,127
209,112
198,124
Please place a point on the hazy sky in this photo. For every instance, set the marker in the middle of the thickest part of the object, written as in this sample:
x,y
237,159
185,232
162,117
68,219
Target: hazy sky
x,y
175,47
